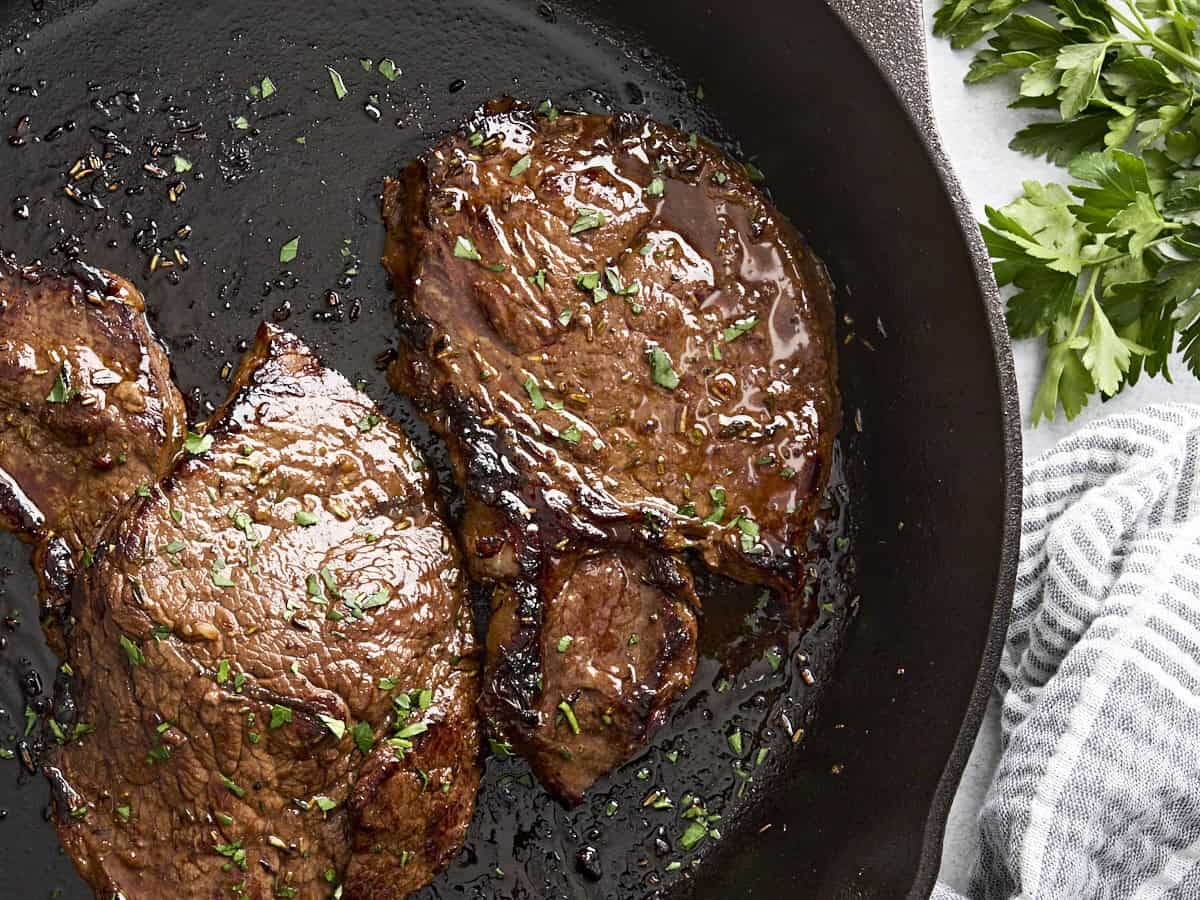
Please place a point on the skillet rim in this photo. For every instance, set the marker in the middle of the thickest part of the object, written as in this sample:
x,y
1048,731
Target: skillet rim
x,y
892,36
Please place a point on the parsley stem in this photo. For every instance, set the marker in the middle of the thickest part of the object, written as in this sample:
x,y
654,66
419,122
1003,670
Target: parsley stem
x,y
1185,37
1089,295
1117,254
1146,36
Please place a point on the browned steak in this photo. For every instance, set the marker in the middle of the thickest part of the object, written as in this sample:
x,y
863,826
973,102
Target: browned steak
x,y
276,678
88,411
631,353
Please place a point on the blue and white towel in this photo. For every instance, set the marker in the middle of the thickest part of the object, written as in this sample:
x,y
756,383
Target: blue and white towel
x,y
1097,794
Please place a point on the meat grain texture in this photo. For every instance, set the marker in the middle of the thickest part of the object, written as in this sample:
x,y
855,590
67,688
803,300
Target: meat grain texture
x,y
631,355
276,678
88,410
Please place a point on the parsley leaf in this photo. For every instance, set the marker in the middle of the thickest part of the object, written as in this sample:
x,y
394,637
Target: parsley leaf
x,y
464,249
587,220
661,368
197,444
1106,269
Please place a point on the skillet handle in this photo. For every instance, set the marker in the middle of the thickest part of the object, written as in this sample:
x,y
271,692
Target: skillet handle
x,y
893,32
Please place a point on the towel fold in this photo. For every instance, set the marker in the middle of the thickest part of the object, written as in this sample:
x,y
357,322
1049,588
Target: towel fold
x,y
1097,793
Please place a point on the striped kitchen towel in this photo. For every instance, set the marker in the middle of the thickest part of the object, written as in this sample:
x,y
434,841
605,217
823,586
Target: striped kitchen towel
x,y
1097,793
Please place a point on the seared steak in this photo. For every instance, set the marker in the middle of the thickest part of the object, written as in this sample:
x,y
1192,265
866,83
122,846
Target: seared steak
x,y
631,352
88,411
275,655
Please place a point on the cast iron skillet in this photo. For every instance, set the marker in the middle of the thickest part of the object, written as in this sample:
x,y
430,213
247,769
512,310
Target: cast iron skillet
x,y
930,491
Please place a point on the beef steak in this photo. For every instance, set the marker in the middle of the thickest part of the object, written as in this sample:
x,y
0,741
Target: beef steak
x,y
276,679
631,353
88,411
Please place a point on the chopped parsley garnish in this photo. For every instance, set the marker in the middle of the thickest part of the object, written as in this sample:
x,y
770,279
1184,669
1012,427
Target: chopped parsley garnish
x,y
234,852
538,278
268,87
388,69
565,642
331,585
749,536
500,748
521,166
735,741
61,391
222,671
464,249
656,188
720,177
324,803
411,731
124,812
143,490
366,423
182,165
339,86
240,123
535,394
587,220
377,599
569,715
564,317
587,281
336,726
232,786
570,434
177,515
364,737
773,658
754,173
218,574
661,369
288,251
693,834
717,495
739,328
305,518
176,546
693,140
280,715
197,444
546,108
133,651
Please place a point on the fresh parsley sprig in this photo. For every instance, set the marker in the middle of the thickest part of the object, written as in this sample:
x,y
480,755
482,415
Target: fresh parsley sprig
x,y
1107,270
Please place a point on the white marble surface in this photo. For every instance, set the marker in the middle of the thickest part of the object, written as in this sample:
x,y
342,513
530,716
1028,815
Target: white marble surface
x,y
976,126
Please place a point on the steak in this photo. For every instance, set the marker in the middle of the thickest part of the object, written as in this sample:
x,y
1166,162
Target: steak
x,y
276,678
631,355
88,411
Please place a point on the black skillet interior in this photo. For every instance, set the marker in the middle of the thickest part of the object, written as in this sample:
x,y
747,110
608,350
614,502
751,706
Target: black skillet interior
x,y
848,807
